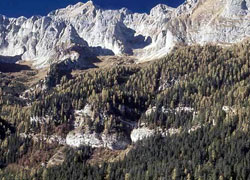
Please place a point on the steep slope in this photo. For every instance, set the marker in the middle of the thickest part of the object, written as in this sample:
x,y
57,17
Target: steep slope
x,y
221,22
95,31
197,99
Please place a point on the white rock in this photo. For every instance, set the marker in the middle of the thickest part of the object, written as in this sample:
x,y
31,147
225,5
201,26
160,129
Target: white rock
x,y
75,32
56,138
185,109
141,133
169,110
40,120
229,109
81,115
144,132
77,139
150,111
111,141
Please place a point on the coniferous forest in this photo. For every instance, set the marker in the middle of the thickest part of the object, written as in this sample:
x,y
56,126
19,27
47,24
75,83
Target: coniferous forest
x,y
212,139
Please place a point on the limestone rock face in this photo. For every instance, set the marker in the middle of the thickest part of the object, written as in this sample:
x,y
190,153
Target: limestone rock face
x,y
77,139
237,8
141,133
111,141
85,30
220,22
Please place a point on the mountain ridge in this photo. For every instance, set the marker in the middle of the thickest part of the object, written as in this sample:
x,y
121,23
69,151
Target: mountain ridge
x,y
53,38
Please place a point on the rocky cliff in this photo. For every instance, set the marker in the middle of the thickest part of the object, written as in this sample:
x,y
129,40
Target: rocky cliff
x,y
85,30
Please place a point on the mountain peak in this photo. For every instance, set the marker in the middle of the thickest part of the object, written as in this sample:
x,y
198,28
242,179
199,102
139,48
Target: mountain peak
x,y
161,9
75,10
88,4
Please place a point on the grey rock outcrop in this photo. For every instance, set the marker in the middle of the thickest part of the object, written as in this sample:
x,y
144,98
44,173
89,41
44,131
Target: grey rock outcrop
x,y
111,141
141,133
85,30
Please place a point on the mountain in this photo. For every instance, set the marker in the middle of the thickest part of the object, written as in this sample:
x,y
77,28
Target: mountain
x,y
85,30
87,109
185,116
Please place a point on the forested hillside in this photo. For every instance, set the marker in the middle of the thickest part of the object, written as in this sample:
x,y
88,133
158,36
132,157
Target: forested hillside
x,y
202,93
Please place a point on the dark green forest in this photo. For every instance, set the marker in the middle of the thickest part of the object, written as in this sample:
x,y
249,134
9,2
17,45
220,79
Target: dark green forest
x,y
211,80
